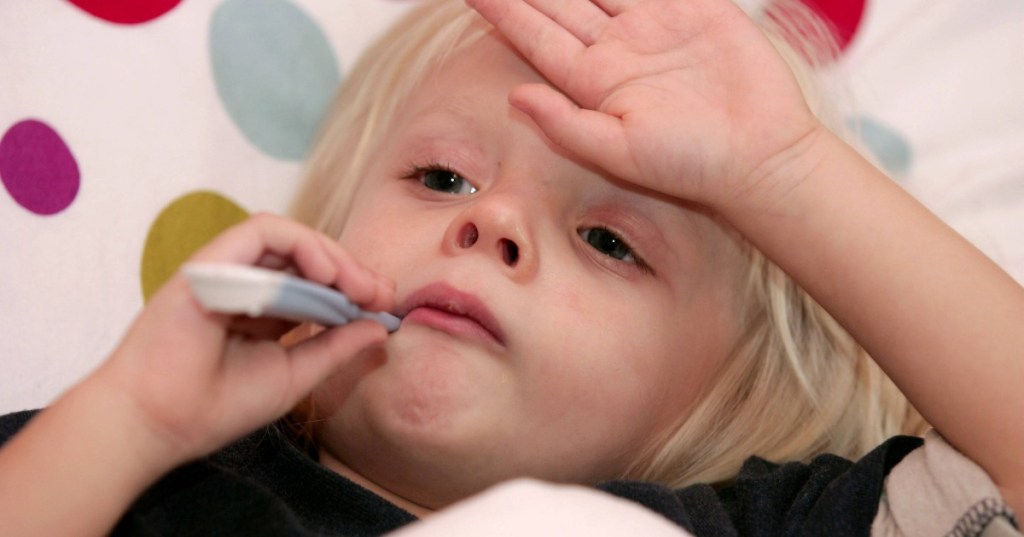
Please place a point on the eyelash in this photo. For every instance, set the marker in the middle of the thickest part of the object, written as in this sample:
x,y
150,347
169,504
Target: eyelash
x,y
637,261
418,172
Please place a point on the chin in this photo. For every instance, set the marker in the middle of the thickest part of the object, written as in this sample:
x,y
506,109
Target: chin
x,y
433,385
435,408
425,456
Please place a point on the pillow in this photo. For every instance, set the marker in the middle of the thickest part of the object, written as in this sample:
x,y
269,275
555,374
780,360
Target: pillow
x,y
130,132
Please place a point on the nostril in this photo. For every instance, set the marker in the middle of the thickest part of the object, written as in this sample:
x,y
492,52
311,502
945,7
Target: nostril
x,y
468,236
509,252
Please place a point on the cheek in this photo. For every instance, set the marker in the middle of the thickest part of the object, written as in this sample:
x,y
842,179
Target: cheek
x,y
432,391
600,361
377,239
426,383
641,365
570,298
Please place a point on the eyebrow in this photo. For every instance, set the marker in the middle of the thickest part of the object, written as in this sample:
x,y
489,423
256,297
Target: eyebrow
x,y
444,111
434,121
446,126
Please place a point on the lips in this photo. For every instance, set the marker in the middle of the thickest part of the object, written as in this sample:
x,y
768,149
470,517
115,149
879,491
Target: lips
x,y
442,307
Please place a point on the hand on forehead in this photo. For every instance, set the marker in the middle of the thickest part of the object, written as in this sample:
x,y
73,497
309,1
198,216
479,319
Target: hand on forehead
x,y
689,98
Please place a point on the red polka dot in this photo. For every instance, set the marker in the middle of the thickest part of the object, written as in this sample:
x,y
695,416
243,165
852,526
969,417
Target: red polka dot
x,y
126,11
844,15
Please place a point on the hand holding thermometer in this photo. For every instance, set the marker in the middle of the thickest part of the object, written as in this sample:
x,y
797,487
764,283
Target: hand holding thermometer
x,y
260,292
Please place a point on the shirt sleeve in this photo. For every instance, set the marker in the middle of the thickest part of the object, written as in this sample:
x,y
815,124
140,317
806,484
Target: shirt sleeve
x,y
11,423
936,490
827,496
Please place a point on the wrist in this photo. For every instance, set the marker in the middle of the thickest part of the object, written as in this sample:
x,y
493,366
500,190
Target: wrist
x,y
147,447
776,185
77,466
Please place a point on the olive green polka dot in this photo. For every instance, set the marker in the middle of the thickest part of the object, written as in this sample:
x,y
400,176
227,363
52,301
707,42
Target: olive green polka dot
x,y
179,230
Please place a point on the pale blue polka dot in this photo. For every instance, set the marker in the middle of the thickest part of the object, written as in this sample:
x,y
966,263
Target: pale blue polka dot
x,y
275,73
889,147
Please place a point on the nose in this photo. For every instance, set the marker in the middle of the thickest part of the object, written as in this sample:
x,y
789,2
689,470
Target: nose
x,y
495,226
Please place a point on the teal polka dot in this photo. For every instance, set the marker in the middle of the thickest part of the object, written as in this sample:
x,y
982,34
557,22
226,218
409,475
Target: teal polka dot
x,y
889,147
275,73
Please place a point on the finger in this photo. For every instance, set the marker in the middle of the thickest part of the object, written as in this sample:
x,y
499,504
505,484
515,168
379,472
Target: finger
x,y
546,45
264,237
335,351
260,328
593,136
274,262
614,7
582,18
301,333
275,241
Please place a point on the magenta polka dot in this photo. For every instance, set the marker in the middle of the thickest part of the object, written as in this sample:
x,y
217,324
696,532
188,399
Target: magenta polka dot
x,y
37,167
126,11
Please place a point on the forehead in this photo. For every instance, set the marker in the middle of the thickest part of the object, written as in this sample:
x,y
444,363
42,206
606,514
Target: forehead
x,y
461,106
483,66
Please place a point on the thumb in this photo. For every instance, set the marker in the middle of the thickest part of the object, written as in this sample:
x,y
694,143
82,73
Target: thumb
x,y
587,134
346,351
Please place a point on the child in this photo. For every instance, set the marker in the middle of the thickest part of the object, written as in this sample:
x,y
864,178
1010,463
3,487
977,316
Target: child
x,y
572,214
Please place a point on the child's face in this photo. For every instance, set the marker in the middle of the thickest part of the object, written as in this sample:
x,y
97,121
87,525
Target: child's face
x,y
585,353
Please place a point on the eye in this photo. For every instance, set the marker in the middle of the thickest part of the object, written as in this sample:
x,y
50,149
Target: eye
x,y
441,179
609,244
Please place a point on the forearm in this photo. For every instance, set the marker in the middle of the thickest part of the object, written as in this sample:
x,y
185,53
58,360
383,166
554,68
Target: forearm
x,y
939,317
76,467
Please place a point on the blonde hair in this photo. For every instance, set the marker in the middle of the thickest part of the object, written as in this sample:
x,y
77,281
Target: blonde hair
x,y
796,384
368,102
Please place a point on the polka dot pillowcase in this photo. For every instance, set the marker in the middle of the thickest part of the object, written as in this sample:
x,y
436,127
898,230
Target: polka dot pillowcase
x,y
132,131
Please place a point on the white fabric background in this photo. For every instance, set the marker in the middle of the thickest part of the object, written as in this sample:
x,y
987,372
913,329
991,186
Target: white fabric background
x,y
143,119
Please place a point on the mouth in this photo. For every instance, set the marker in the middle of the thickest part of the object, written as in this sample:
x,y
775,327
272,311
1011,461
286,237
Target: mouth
x,y
444,308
